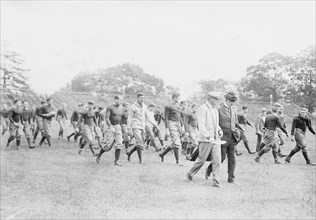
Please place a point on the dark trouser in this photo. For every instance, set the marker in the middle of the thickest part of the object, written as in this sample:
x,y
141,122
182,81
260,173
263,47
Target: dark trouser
x,y
259,139
229,150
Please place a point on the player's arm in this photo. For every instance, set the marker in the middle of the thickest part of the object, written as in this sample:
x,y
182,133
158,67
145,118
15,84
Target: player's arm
x,y
279,123
309,125
167,117
107,116
10,116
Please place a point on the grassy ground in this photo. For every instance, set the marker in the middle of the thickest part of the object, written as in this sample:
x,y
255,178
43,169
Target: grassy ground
x,y
57,183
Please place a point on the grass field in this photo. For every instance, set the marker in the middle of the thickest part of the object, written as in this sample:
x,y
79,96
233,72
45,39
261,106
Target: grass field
x,y
57,183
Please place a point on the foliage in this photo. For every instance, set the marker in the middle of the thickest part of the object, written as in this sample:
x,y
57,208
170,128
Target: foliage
x,y
13,75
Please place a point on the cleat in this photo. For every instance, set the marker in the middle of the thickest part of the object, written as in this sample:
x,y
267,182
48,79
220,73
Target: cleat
x,y
216,183
117,164
257,159
189,177
98,158
161,156
179,164
79,151
277,162
287,160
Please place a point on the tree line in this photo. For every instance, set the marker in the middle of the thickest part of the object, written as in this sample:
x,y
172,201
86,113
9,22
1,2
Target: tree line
x,y
286,78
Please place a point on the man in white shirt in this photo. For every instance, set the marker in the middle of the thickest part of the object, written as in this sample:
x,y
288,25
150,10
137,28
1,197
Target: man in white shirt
x,y
208,133
136,124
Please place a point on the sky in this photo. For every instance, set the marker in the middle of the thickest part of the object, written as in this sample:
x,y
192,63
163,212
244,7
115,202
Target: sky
x,y
181,42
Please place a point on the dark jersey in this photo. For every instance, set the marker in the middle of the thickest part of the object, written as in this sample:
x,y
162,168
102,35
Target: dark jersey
x,y
172,113
74,116
15,114
45,110
62,113
242,119
114,114
192,120
88,117
158,117
301,123
26,115
272,121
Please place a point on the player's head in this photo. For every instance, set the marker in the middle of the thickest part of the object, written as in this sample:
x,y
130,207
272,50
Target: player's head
x,y
63,105
43,103
25,104
194,107
175,97
264,111
140,98
49,101
245,109
151,107
118,100
90,105
183,104
17,103
279,106
303,112
274,109
80,106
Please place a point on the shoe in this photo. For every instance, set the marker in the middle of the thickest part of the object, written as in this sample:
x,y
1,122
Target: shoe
x,y
117,164
158,149
141,162
188,157
79,151
257,159
207,175
98,158
238,154
179,164
189,177
287,160
68,138
161,156
310,163
277,162
31,146
282,155
128,157
18,147
250,152
216,183
231,181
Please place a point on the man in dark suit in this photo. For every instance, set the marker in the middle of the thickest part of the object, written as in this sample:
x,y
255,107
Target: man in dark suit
x,y
228,122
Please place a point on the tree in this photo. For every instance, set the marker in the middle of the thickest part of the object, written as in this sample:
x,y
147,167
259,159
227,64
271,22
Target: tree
x,y
13,75
270,76
302,89
127,79
206,85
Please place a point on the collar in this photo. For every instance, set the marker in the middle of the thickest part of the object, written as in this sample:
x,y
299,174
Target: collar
x,y
209,106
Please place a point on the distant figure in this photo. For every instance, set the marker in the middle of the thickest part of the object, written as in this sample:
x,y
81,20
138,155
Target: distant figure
x,y
259,126
243,121
298,130
61,119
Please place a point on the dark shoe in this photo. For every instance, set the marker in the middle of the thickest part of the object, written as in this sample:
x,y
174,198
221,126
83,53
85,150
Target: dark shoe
x,y
250,152
257,159
98,158
310,163
129,156
161,156
231,181
31,146
68,138
288,160
141,162
158,149
277,162
189,177
79,151
238,154
179,163
207,175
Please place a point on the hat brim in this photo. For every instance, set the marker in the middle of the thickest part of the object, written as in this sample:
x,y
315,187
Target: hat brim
x,y
233,99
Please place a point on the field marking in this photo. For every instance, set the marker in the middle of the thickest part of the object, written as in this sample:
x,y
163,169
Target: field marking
x,y
18,212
